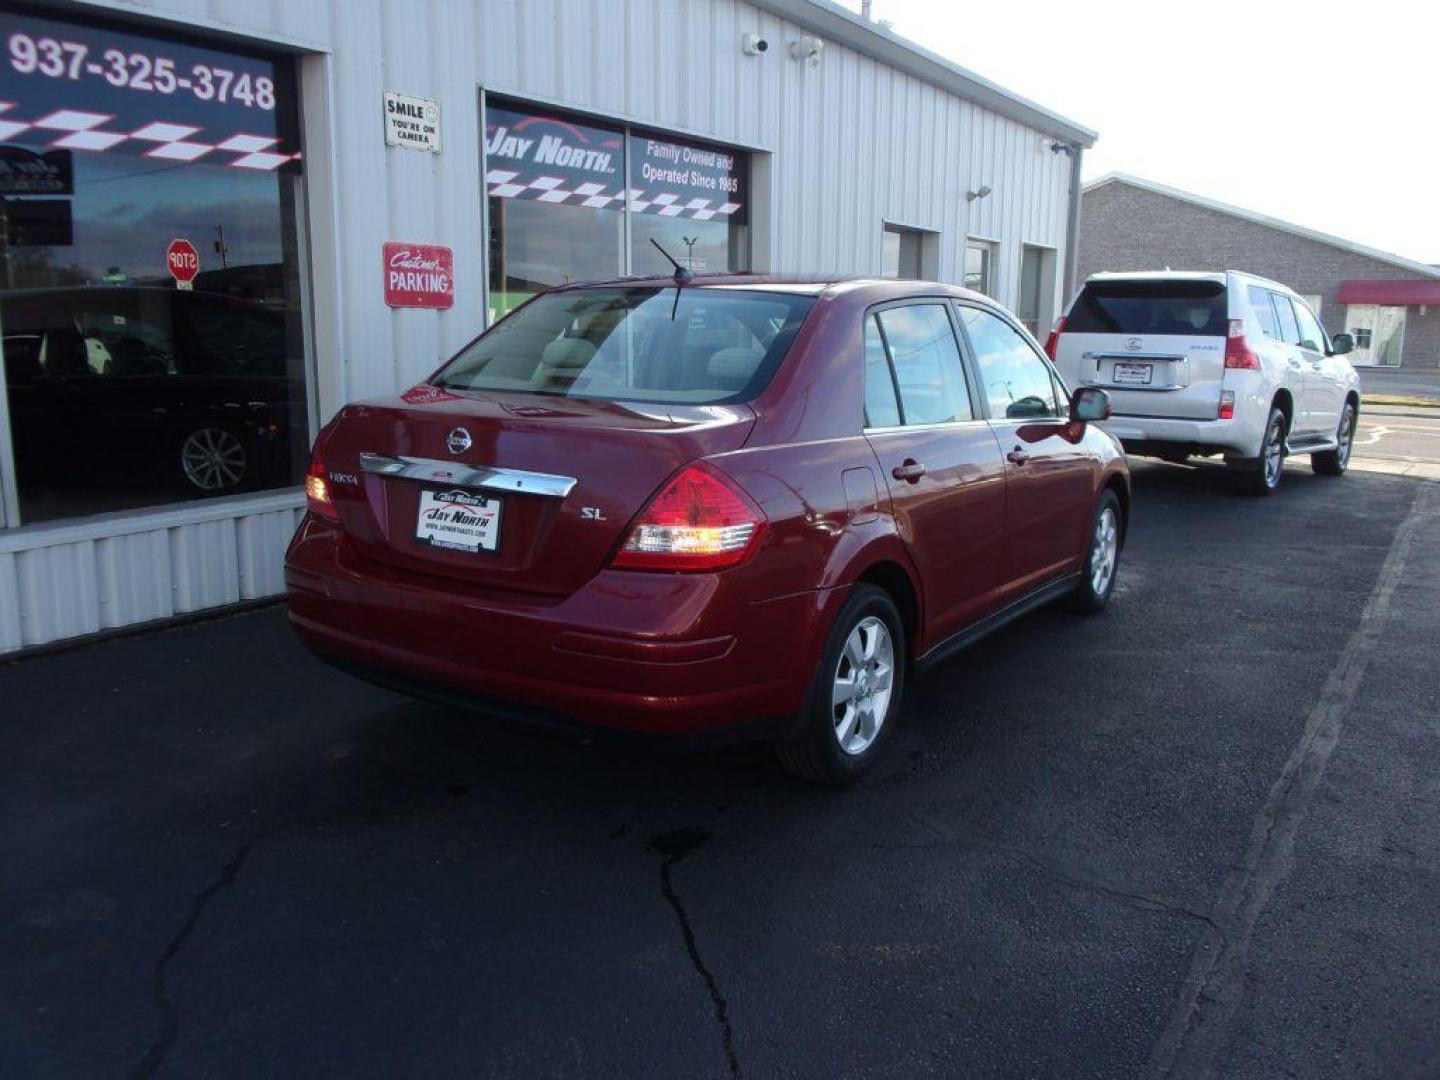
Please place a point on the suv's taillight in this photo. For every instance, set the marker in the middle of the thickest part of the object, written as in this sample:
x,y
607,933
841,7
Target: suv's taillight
x,y
1052,343
317,488
700,520
1237,351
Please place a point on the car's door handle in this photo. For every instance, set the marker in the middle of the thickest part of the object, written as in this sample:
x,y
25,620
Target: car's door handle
x,y
909,470
1017,456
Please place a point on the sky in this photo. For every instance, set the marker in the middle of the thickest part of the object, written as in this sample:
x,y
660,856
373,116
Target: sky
x,y
1306,112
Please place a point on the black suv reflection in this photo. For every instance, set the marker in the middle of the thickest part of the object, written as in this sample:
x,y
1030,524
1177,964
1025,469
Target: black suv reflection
x,y
126,396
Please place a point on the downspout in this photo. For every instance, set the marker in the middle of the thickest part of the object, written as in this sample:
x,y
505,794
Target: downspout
x,y
1072,225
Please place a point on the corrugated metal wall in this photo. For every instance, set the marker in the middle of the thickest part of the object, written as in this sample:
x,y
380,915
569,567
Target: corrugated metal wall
x,y
853,143
98,575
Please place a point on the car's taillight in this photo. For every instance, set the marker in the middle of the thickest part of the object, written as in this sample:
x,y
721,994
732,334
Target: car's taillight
x,y
1227,405
1052,343
1237,351
317,488
700,520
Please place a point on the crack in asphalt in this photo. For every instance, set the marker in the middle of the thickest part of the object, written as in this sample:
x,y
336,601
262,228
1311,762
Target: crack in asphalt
x,y
672,847
170,1024
1191,1041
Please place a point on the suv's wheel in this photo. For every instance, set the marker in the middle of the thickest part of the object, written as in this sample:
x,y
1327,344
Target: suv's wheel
x,y
855,698
1264,477
213,459
1102,559
1335,462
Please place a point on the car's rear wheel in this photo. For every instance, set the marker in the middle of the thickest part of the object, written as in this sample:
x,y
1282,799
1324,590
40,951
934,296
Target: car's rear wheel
x,y
1102,558
1335,462
1264,476
855,698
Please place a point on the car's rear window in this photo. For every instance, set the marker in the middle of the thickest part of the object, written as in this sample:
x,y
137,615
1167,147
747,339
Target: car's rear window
x,y
1192,308
693,346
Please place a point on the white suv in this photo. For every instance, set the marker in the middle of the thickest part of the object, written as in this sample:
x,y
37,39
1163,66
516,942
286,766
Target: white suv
x,y
1222,363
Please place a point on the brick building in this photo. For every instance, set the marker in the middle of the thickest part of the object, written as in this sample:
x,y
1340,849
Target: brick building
x,y
1390,304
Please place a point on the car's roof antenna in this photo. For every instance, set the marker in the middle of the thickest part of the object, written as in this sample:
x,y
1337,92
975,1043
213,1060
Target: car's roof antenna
x,y
683,275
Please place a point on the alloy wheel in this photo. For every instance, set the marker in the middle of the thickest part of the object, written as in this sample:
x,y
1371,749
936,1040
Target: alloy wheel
x,y
860,695
1274,453
213,459
1346,436
1104,551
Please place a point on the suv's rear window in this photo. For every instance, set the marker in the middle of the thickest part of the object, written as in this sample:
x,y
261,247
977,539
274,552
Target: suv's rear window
x,y
1192,308
635,344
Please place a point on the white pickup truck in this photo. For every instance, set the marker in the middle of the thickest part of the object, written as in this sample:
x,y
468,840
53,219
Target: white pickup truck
x,y
1213,363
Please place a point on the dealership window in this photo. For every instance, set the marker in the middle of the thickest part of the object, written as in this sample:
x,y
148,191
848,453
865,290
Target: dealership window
x,y
149,278
571,199
979,262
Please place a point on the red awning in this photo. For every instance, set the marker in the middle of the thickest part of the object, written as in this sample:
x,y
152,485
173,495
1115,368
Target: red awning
x,y
1390,292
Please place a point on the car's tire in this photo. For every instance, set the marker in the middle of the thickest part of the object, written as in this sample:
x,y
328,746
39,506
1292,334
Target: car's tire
x,y
841,736
1335,462
1264,476
1102,557
213,459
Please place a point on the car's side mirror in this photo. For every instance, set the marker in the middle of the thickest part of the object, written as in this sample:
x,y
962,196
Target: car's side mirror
x,y
1342,343
1089,403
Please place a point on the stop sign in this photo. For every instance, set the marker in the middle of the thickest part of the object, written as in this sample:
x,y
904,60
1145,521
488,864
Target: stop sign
x,y
183,261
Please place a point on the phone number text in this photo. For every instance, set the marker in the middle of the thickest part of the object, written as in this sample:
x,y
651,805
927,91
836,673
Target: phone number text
x,y
138,71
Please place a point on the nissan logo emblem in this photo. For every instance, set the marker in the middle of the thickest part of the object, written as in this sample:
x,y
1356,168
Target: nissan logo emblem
x,y
458,441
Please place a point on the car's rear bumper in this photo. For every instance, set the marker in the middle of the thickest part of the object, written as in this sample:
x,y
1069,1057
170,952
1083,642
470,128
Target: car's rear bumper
x,y
663,653
1150,434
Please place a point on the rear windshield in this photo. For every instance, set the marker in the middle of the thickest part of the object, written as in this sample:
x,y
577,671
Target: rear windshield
x,y
691,346
1194,308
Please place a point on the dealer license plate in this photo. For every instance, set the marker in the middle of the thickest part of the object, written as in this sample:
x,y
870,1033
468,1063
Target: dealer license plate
x,y
458,520
1138,374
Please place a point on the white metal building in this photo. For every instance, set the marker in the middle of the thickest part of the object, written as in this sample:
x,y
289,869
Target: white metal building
x,y
222,219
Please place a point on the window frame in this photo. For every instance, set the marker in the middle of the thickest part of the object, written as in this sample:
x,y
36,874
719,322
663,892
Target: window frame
x,y
977,407
1064,395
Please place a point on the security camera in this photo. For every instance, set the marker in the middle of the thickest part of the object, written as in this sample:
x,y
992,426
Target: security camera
x,y
754,44
808,49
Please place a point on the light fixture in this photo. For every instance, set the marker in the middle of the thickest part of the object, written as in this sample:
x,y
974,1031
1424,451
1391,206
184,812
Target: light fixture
x,y
978,193
808,49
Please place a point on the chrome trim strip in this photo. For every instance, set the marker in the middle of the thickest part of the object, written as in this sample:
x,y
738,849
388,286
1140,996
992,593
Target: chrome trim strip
x,y
923,427
1132,356
490,477
1135,386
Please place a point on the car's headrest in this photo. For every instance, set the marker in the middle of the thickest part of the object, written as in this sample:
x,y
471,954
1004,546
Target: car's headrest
x,y
567,354
733,367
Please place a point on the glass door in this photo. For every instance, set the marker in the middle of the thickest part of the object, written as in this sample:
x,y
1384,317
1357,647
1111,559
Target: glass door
x,y
1379,332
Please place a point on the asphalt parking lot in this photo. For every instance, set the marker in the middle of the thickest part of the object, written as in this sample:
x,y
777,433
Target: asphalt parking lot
x,y
1192,837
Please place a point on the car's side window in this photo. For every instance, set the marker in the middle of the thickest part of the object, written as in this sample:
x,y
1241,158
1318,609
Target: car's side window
x,y
1289,328
1264,311
880,407
1312,336
1016,381
926,360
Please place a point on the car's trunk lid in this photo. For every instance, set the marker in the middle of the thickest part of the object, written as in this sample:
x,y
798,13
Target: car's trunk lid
x,y
569,475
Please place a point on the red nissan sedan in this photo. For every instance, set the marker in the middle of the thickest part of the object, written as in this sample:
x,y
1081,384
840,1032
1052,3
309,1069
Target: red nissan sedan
x,y
734,502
